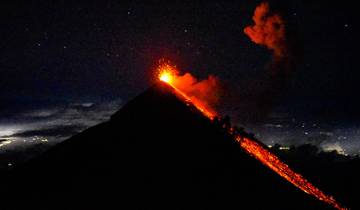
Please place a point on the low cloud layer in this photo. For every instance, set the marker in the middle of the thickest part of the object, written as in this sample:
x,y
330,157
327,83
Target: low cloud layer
x,y
55,123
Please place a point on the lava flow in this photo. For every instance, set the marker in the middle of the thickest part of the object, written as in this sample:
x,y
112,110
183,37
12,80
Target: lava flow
x,y
168,74
274,163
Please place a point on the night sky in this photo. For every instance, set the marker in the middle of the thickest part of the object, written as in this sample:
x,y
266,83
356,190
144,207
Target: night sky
x,y
66,66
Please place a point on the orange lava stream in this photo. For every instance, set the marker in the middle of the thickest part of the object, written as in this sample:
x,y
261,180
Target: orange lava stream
x,y
260,153
274,163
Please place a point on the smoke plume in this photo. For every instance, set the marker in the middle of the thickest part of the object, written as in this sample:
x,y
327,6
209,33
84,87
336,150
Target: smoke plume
x,y
206,90
257,97
268,30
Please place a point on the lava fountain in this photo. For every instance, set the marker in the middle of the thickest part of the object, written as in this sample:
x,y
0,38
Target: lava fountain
x,y
169,75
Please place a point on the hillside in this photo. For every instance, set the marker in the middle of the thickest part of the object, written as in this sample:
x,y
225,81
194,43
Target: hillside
x,y
156,152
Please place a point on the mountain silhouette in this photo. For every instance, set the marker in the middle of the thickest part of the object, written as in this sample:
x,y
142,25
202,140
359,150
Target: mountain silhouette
x,y
156,152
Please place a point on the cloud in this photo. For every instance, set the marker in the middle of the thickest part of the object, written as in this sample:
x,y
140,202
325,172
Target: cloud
x,y
41,113
58,131
57,122
333,146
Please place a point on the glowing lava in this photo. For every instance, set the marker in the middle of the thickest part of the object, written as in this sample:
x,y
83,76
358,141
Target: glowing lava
x,y
168,74
274,163
166,77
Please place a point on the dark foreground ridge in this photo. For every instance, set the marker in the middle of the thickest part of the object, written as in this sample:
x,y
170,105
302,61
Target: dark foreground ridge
x,y
155,153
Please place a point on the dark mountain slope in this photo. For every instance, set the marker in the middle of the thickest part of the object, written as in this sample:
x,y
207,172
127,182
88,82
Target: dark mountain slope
x,y
156,152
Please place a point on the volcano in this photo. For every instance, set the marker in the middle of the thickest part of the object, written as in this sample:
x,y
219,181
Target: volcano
x,y
156,152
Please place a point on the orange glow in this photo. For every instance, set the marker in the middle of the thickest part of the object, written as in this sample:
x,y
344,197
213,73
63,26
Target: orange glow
x,y
274,163
169,75
268,30
166,77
